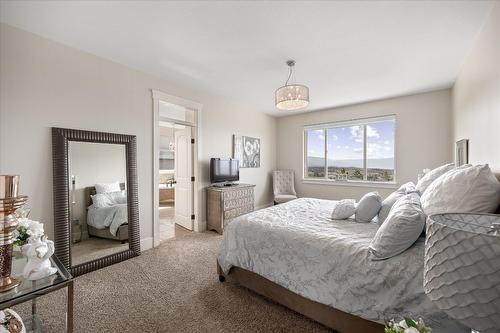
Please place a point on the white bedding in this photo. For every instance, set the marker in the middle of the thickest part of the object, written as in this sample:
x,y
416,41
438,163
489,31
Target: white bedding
x,y
111,217
300,247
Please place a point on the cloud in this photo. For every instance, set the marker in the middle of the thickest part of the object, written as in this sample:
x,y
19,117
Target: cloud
x,y
372,132
356,131
376,150
321,134
334,137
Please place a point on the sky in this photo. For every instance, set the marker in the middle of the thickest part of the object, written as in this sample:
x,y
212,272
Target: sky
x,y
346,143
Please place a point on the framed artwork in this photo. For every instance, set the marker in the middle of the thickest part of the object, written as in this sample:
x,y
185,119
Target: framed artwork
x,y
247,150
462,152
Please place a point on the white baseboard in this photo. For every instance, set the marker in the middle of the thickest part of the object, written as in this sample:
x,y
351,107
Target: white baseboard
x,y
264,206
146,243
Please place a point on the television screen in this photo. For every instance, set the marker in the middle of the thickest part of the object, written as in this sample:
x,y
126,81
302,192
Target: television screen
x,y
224,170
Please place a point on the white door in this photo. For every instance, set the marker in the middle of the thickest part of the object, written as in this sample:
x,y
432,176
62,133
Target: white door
x,y
183,172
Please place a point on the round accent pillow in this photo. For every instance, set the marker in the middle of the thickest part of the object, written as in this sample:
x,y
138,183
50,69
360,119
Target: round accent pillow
x,y
368,207
344,209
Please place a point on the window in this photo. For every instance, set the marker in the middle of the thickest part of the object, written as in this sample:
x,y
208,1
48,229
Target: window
x,y
361,150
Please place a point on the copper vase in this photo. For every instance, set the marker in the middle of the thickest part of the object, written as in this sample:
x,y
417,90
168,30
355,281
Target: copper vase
x,y
10,201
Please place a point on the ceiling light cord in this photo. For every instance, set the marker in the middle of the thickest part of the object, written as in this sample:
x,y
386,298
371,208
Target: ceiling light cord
x,y
290,64
289,75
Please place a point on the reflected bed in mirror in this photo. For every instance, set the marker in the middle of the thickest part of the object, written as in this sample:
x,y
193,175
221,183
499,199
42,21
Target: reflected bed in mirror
x,y
96,211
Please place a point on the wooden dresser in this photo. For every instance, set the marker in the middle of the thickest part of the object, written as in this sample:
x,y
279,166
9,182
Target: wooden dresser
x,y
225,203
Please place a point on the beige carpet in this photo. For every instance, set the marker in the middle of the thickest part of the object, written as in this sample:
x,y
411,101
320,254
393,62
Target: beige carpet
x,y
173,288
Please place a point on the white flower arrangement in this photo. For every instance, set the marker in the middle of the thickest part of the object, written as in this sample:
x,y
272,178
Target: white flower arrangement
x,y
27,230
407,325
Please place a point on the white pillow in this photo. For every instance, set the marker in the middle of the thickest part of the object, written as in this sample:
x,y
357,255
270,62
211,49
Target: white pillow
x,y
401,229
102,200
107,187
344,209
392,198
432,175
473,189
368,207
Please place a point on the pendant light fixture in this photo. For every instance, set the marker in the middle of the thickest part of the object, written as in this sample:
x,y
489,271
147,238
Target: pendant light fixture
x,y
292,96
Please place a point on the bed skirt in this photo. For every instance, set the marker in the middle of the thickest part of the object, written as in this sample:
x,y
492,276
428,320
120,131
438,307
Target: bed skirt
x,y
121,233
337,320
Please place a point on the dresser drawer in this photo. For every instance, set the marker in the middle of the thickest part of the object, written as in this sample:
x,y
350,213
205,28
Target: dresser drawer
x,y
236,203
237,194
230,214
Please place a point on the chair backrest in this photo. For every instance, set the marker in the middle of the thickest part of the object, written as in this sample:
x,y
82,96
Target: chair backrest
x,y
283,182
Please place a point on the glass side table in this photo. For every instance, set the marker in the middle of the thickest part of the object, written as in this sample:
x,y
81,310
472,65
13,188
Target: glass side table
x,y
30,290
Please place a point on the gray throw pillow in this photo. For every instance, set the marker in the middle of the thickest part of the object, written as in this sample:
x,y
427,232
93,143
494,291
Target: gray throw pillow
x,y
392,198
368,207
402,228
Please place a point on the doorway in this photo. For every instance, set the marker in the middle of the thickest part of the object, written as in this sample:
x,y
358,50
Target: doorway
x,y
175,184
175,167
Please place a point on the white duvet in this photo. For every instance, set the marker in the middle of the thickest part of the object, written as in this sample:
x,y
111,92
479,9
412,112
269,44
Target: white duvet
x,y
111,217
298,246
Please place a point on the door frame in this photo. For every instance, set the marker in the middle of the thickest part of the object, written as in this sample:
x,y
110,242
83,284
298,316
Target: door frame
x,y
159,96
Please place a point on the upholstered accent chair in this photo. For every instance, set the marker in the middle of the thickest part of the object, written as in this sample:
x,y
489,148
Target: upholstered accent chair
x,y
283,186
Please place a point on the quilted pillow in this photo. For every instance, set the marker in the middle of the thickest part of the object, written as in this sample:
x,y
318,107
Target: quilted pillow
x,y
472,189
344,209
107,187
392,198
102,200
432,175
368,207
403,226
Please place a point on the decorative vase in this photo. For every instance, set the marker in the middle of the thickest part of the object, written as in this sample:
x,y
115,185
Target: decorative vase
x,y
10,201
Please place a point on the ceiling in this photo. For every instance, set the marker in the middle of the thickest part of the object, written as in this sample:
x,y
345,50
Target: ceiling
x,y
346,52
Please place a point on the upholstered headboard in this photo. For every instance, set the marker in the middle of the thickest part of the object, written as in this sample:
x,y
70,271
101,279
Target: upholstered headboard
x,y
89,191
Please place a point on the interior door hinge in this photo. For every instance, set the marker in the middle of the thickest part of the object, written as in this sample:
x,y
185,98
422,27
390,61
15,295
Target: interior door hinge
x,y
192,141
192,179
192,217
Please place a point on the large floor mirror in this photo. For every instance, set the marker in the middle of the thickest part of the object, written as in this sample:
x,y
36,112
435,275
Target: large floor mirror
x,y
95,198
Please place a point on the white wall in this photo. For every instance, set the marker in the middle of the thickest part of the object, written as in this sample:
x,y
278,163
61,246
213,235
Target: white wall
x,y
476,96
423,139
45,84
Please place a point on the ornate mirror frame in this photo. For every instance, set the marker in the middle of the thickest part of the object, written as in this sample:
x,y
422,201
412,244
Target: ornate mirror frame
x,y
62,225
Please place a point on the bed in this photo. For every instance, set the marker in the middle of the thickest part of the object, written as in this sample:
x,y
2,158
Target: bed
x,y
295,254
107,222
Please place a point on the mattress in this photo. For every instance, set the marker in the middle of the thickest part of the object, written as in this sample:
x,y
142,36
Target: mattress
x,y
298,246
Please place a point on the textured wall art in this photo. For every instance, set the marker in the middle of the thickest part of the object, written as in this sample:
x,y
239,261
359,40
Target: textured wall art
x,y
247,150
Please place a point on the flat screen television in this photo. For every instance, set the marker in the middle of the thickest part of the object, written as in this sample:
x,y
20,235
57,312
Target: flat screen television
x,y
224,170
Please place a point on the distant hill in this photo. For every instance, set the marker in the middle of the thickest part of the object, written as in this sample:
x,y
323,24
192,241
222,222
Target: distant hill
x,y
380,163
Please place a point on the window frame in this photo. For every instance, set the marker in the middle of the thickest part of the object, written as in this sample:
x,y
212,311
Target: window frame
x,y
347,123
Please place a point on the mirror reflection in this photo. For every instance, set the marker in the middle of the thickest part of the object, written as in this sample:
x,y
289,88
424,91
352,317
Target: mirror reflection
x,y
98,200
